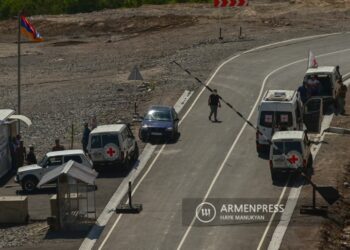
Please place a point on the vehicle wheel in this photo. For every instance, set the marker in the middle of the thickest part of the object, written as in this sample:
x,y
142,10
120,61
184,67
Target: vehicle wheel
x,y
29,184
310,162
135,153
142,138
274,176
310,169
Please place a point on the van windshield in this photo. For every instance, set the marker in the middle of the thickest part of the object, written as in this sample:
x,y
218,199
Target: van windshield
x,y
286,147
110,138
292,146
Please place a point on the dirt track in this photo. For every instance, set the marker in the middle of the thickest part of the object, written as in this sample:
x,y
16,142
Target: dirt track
x,y
82,67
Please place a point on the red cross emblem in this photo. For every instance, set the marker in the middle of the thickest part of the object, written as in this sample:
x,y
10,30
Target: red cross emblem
x,y
110,152
293,159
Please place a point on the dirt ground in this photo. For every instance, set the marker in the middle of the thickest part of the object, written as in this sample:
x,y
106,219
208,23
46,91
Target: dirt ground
x,y
331,168
81,69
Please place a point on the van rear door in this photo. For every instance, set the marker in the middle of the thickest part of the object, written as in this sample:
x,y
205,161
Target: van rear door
x,y
313,114
266,125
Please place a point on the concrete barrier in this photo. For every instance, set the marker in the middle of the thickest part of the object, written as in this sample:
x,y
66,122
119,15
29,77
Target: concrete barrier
x,y
341,131
13,209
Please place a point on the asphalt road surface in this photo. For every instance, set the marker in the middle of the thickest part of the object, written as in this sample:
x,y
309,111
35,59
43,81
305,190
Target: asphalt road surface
x,y
219,160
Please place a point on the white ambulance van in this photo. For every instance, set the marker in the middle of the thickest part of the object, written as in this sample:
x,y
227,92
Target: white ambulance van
x,y
279,110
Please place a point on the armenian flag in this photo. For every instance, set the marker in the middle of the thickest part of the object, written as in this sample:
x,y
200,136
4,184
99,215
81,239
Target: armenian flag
x,y
29,31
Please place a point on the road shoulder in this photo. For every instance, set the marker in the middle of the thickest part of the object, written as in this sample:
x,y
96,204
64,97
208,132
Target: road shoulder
x,y
331,168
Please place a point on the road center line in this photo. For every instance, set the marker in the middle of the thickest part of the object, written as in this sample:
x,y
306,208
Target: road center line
x,y
195,101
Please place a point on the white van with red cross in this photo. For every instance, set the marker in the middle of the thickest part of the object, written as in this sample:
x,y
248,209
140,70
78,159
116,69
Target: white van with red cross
x,y
278,110
290,151
112,144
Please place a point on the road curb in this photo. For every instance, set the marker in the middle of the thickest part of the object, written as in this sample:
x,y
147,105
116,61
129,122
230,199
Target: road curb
x,y
121,191
336,130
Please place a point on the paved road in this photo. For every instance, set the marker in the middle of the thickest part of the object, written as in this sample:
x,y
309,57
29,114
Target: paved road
x,y
187,169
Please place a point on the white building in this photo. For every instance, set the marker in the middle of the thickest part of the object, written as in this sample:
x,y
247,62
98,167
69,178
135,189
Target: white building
x,y
8,129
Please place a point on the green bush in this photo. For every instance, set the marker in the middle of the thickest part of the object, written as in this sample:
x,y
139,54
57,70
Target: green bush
x,y
9,8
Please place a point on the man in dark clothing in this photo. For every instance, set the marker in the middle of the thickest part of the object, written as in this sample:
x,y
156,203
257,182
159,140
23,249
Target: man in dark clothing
x,y
13,149
31,158
214,103
21,153
58,146
340,97
303,92
85,139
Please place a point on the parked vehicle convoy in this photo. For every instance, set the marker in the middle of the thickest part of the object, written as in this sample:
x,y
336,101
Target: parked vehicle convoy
x,y
29,176
278,110
159,121
291,151
112,144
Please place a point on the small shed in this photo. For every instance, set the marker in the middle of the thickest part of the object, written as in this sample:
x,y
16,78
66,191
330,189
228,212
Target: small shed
x,y
75,198
8,129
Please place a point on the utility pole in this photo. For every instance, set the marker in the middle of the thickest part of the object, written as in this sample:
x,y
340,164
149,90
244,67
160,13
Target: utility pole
x,y
19,70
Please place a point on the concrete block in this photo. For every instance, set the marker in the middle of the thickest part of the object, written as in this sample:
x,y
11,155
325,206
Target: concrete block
x,y
13,209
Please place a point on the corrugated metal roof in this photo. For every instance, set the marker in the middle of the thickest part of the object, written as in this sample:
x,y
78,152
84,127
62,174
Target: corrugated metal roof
x,y
5,113
72,169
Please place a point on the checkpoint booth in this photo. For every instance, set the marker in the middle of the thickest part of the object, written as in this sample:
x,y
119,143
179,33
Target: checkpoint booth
x,y
73,207
8,129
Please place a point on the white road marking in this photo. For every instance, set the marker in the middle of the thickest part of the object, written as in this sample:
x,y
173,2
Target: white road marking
x,y
282,226
89,246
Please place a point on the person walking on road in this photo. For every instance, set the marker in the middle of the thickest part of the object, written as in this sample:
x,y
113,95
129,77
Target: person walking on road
x,y
85,139
340,97
214,103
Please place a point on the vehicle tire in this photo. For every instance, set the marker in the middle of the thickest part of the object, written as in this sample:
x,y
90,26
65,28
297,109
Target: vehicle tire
x,y
309,168
135,153
29,183
274,176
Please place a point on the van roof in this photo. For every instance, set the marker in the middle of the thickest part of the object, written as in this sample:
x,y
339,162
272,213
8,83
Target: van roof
x,y
287,135
279,96
321,69
108,128
65,152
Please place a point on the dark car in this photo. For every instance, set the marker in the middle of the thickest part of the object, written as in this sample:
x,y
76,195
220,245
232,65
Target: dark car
x,y
159,121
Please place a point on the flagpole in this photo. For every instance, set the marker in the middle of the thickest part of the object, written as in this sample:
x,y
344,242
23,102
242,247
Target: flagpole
x,y
19,70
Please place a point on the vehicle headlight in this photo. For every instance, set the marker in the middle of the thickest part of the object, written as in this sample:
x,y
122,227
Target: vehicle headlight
x,y
170,128
145,126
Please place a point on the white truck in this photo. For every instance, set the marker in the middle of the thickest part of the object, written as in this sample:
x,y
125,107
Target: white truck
x,y
290,151
29,176
327,77
278,110
282,110
112,144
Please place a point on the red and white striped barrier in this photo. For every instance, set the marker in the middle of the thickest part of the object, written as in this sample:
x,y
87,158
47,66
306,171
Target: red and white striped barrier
x,y
230,3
